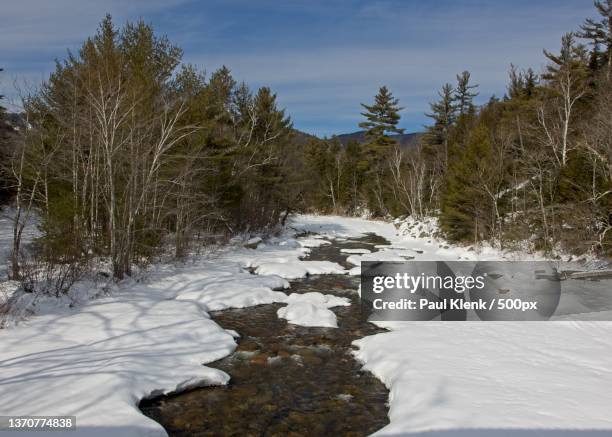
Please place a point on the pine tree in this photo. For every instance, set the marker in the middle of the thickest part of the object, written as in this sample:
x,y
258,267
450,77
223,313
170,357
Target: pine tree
x,y
272,123
522,83
531,82
1,96
444,114
463,93
356,166
382,119
600,32
465,205
263,174
572,58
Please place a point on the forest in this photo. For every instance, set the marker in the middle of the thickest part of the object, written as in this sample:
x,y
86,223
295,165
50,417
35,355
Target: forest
x,y
533,166
126,151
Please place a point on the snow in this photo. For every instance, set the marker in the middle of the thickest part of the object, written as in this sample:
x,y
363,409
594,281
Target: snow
x,y
383,255
405,240
319,299
251,243
234,289
281,257
343,227
311,309
254,241
307,314
357,251
313,242
299,269
472,375
97,357
6,234
98,361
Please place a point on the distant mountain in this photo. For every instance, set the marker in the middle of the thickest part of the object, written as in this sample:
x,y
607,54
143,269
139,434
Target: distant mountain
x,y
302,138
405,140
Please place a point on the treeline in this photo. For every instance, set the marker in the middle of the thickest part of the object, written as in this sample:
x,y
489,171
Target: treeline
x,y
124,149
534,165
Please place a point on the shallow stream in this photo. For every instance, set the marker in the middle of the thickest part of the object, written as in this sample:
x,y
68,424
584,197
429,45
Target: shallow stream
x,y
287,380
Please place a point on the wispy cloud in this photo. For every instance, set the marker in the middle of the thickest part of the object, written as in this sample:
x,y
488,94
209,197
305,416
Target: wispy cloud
x,y
322,57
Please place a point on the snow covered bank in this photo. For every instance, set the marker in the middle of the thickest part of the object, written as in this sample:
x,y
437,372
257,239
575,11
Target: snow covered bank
x,y
98,360
524,376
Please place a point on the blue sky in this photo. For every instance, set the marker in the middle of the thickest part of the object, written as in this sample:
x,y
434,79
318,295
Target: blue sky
x,y
322,58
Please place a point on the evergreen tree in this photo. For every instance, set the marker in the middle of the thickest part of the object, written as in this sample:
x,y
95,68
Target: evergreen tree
x,y
531,82
444,114
465,205
2,109
522,83
263,172
464,95
382,119
516,83
600,32
572,59
4,127
356,167
322,159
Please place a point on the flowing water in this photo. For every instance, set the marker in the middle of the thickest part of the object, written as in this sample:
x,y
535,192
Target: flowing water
x,y
287,379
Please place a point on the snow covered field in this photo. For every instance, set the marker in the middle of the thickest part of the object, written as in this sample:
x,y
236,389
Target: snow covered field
x,y
98,359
